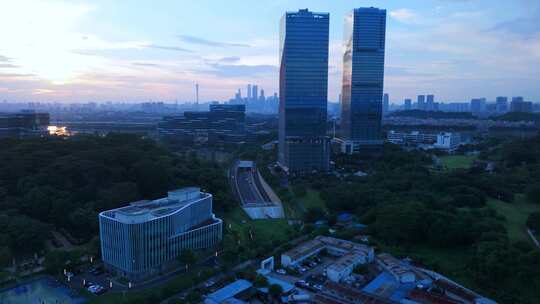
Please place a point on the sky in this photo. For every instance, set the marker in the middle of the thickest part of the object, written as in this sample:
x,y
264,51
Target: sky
x,y
133,51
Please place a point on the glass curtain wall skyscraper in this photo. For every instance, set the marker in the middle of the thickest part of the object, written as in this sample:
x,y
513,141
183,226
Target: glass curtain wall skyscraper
x,y
303,86
363,79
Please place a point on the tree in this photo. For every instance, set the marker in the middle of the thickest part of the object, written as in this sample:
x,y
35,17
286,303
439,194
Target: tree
x,y
55,261
533,193
187,257
533,221
260,281
275,291
5,256
313,214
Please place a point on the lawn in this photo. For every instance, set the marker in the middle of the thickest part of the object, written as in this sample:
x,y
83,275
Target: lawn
x,y
312,199
516,214
238,221
451,162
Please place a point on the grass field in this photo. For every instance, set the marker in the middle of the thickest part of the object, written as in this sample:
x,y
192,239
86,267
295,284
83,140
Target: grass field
x,y
451,162
312,199
238,221
516,214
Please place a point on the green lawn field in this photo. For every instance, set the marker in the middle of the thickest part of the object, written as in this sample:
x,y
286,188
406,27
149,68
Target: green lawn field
x,y
516,214
451,162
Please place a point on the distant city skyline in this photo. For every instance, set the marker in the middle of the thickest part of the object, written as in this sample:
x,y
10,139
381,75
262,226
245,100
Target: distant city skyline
x,y
82,51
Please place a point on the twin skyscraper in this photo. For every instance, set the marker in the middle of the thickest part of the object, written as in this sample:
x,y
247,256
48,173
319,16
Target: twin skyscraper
x,y
303,84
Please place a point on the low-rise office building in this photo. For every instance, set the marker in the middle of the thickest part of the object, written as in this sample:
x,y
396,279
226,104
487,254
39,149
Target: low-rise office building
x,y
222,123
401,272
448,141
414,137
146,237
349,255
24,124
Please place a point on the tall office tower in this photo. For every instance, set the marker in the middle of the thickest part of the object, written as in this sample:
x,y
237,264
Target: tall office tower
x,y
197,93
407,104
363,79
248,92
255,92
430,103
386,104
502,104
262,97
303,91
421,102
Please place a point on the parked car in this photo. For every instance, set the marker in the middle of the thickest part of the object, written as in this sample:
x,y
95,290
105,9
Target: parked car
x,y
281,271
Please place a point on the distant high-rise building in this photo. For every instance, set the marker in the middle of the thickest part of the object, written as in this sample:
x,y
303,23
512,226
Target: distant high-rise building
x,y
262,97
519,104
255,92
303,91
197,93
430,102
478,105
408,104
421,102
363,80
386,103
502,104
249,92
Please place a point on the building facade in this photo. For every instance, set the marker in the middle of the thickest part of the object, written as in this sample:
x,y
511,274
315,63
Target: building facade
x,y
363,79
519,104
303,86
222,123
145,238
448,141
24,124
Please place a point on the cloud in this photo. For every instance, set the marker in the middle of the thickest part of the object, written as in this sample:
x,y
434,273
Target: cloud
x,y
230,70
202,41
4,58
404,15
146,64
8,66
231,59
525,27
405,71
168,48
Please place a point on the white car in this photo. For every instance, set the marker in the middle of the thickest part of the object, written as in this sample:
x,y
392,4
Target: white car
x,y
281,271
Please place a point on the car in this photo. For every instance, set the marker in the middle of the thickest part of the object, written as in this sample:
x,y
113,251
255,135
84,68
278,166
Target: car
x,y
303,269
281,271
97,271
301,283
88,284
312,264
209,283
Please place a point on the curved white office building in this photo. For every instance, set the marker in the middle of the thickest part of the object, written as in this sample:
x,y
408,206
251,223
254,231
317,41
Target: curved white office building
x,y
146,237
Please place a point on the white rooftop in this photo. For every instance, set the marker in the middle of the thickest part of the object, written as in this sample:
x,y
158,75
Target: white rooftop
x,y
146,210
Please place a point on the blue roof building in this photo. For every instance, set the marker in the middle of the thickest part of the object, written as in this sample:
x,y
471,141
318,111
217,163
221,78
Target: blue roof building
x,y
227,294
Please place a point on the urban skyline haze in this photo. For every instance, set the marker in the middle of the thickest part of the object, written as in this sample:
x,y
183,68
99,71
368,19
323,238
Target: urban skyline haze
x,y
80,51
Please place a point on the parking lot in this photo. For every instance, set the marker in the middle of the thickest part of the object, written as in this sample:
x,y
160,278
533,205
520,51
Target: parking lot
x,y
92,276
309,276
